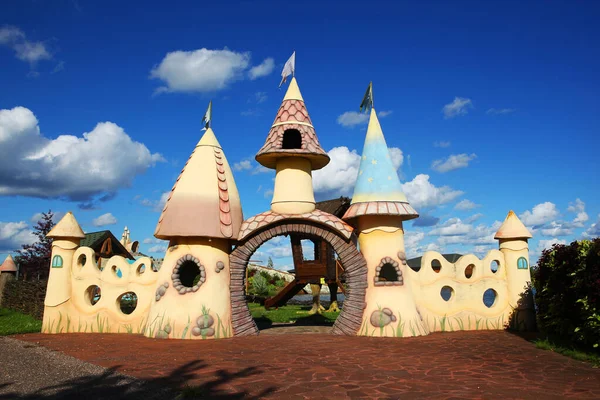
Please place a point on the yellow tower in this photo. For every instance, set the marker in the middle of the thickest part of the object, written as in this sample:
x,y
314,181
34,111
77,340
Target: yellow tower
x,y
293,150
513,236
66,236
377,210
201,220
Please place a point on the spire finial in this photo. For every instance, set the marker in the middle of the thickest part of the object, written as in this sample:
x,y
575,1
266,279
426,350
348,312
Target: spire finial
x,y
367,102
206,121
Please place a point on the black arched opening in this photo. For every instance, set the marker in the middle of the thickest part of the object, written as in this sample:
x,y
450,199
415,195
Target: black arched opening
x,y
292,139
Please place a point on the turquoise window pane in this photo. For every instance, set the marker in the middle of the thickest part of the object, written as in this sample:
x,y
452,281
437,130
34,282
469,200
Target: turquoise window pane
x,y
57,262
522,263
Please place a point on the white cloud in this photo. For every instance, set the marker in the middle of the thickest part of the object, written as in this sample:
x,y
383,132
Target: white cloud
x,y
104,219
396,156
499,111
453,162
452,227
242,165
594,230
153,241
475,235
412,240
459,106
421,193
200,70
466,205
250,165
156,205
540,214
441,144
353,118
68,166
56,216
473,218
263,69
13,235
581,218
280,252
268,193
547,244
159,248
339,176
556,229
25,50
260,97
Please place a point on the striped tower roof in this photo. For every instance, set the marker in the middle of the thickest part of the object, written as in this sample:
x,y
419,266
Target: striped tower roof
x,y
378,190
292,115
204,201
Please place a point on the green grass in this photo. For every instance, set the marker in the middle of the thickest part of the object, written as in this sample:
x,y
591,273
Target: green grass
x,y
13,322
290,313
580,355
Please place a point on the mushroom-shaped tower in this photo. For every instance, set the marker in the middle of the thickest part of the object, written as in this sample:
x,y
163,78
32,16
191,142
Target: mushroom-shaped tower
x,y
201,220
377,210
66,236
293,150
513,236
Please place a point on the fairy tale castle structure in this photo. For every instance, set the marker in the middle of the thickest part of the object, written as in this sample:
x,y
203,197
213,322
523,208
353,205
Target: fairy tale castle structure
x,y
199,292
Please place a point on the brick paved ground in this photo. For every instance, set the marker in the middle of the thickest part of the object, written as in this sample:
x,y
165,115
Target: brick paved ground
x,y
480,364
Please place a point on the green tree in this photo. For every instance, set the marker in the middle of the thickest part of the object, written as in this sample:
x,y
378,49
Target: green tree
x,y
34,259
270,263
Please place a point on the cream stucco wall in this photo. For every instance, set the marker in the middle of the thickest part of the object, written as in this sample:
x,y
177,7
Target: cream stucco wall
x,y
68,305
465,310
201,314
391,309
293,192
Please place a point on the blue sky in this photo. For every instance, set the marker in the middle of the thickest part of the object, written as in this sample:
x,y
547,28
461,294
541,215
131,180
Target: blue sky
x,y
486,106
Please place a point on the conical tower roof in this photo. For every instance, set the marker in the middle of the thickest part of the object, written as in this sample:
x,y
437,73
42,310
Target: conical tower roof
x,y
299,141
204,201
512,228
8,265
378,190
67,227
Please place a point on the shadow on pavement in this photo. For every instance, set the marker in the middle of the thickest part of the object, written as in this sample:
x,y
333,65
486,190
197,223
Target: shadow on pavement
x,y
113,385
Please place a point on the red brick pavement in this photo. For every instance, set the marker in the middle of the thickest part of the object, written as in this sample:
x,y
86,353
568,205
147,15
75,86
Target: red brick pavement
x,y
479,364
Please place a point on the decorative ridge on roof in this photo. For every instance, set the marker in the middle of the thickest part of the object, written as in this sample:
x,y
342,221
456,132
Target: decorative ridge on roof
x,y
196,208
266,218
292,115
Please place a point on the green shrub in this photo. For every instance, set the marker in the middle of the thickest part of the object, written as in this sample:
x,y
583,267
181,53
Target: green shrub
x,y
567,284
260,286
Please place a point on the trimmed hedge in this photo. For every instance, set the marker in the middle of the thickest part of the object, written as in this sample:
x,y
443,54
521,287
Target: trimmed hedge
x,y
567,284
27,297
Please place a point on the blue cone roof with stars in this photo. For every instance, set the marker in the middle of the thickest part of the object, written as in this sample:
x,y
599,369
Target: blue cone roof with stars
x,y
378,190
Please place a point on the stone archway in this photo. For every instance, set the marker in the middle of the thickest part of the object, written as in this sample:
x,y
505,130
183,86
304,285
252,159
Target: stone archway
x,y
349,320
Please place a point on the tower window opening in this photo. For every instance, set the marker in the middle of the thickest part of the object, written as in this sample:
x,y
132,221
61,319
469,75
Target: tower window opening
x,y
292,139
388,273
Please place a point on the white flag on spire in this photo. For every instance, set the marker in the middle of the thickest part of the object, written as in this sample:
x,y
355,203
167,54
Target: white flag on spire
x,y
207,117
288,69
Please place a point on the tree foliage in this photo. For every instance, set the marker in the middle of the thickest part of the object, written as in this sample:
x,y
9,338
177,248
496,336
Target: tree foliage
x,y
270,263
567,283
34,259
